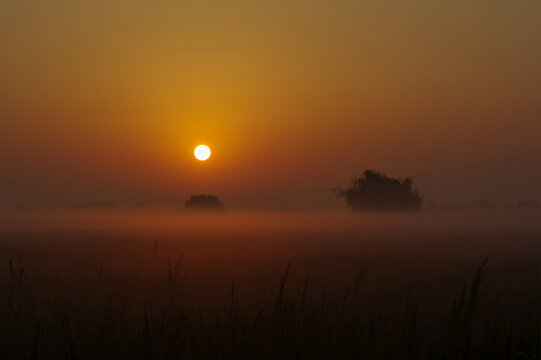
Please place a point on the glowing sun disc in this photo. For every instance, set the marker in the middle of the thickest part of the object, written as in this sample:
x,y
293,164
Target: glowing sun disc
x,y
202,152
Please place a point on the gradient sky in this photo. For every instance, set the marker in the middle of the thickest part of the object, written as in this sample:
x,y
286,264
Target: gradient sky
x,y
105,100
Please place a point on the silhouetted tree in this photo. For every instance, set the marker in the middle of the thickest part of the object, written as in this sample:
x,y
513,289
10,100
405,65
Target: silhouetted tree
x,y
204,202
375,191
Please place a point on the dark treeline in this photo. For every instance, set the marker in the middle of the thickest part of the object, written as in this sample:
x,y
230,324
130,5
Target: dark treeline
x,y
483,204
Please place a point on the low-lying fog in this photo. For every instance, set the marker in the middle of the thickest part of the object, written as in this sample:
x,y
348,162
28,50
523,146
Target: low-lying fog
x,y
334,227
166,219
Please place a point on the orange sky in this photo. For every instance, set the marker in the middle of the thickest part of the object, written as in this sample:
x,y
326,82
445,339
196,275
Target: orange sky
x,y
103,100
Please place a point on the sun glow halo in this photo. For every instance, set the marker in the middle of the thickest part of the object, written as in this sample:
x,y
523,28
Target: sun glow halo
x,y
202,152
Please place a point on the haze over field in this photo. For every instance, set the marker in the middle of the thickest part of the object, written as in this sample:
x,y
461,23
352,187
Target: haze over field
x,y
234,223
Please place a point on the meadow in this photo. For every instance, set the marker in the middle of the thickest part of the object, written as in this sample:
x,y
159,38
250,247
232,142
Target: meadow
x,y
141,285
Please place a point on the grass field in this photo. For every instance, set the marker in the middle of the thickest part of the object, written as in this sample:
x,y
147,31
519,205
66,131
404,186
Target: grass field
x,y
275,286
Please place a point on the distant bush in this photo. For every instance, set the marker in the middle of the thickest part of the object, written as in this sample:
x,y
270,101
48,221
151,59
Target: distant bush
x,y
204,202
376,191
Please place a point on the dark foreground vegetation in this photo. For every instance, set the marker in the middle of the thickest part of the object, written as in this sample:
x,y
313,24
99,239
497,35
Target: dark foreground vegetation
x,y
296,295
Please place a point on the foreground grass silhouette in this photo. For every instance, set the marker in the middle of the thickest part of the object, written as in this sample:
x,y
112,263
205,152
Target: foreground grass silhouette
x,y
277,296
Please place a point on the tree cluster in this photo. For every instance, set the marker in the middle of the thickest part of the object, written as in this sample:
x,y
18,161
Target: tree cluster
x,y
376,191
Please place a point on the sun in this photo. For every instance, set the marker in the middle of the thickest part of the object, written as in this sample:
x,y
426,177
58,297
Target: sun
x,y
202,152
